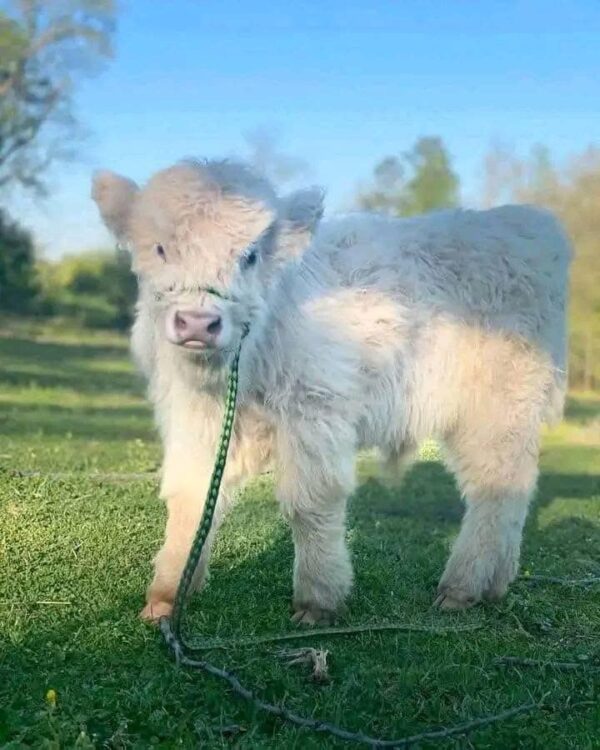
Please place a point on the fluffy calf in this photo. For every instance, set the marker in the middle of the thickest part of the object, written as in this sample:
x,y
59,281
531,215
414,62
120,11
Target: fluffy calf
x,y
374,332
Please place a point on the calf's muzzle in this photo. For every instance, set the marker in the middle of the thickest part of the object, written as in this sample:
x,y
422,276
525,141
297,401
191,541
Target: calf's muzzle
x,y
195,329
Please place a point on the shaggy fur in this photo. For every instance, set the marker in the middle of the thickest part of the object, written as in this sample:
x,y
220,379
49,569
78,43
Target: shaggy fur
x,y
377,333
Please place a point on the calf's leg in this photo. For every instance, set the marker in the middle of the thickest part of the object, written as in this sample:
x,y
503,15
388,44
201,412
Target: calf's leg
x,y
184,486
497,473
188,466
184,512
396,463
316,477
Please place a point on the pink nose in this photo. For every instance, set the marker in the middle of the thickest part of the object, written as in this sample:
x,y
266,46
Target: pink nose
x,y
195,329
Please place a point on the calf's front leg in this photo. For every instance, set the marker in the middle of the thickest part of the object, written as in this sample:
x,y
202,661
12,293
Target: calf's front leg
x,y
316,477
188,465
184,487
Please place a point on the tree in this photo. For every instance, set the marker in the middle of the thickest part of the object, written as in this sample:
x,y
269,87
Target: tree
x,y
95,289
572,192
508,178
44,46
18,286
266,157
386,194
121,288
419,181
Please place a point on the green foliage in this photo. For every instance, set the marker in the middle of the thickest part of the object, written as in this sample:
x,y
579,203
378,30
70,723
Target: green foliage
x,y
572,192
95,289
419,181
77,541
18,285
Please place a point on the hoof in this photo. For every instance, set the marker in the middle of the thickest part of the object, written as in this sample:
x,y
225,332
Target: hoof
x,y
309,616
449,598
153,611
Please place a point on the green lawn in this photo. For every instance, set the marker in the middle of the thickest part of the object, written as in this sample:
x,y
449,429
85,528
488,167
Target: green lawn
x,y
80,522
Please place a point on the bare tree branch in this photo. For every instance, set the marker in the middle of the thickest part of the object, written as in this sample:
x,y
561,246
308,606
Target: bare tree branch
x,y
44,48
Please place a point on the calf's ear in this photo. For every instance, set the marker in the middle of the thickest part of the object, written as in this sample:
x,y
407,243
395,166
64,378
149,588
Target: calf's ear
x,y
114,196
300,213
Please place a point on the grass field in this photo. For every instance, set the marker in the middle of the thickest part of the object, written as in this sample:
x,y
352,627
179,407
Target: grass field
x,y
80,522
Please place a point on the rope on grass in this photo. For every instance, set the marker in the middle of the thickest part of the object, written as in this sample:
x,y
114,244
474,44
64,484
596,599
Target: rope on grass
x,y
395,627
325,727
517,661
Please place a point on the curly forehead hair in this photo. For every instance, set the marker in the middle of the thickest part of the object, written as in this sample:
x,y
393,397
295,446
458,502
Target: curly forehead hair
x,y
205,184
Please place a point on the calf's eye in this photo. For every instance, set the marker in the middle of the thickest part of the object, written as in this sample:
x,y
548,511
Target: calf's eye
x,y
250,258
160,251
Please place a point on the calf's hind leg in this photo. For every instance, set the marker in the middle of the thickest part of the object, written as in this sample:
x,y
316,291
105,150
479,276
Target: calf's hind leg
x,y
396,463
497,473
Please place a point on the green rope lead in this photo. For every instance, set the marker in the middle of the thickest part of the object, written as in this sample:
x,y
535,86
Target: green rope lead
x,y
172,627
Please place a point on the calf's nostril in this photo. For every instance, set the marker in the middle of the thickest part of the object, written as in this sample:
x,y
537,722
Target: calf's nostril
x,y
180,322
214,326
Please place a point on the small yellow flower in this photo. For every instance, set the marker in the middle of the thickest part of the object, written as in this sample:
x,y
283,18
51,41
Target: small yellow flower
x,y
51,698
526,574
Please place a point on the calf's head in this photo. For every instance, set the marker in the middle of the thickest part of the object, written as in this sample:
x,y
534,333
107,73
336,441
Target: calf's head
x,y
207,241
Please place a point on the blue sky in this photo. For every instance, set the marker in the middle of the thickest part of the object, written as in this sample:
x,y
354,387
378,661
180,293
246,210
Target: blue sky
x,y
343,82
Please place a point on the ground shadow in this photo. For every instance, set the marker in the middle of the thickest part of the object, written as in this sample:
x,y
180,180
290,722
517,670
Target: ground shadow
x,y
582,409
429,492
52,352
78,366
104,423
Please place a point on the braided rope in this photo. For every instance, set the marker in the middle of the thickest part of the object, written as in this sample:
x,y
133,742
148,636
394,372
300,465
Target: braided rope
x,y
210,505
217,292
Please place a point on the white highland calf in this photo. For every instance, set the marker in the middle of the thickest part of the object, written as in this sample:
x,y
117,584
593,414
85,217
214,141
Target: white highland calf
x,y
374,332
